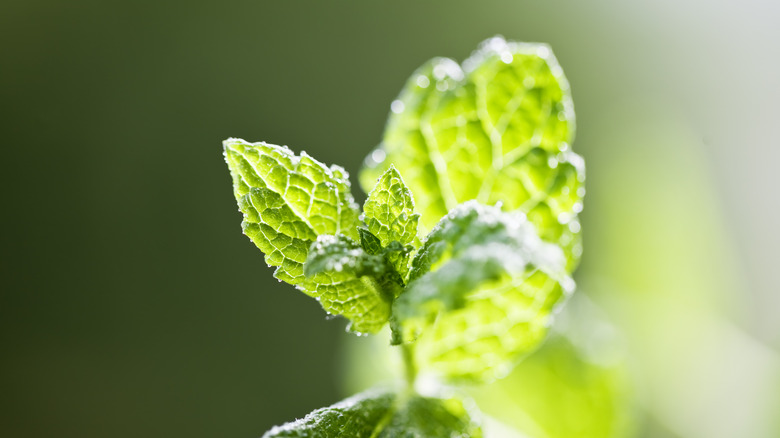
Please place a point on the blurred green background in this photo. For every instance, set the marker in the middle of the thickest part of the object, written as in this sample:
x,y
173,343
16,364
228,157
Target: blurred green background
x,y
131,305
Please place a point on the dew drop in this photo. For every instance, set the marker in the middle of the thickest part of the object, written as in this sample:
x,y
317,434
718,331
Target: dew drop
x,y
442,85
581,192
378,155
552,162
577,207
543,52
439,71
568,284
565,190
574,226
423,81
506,58
397,107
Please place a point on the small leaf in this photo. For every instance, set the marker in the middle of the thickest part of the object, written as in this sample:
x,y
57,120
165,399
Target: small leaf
x,y
389,210
481,293
369,242
377,414
349,281
287,201
342,254
389,214
498,130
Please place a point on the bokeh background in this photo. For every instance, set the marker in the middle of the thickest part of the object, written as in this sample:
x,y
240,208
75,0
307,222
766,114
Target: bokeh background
x,y
131,305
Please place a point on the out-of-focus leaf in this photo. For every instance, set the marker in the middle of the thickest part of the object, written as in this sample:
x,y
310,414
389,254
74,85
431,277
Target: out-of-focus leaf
x,y
498,129
376,414
481,293
575,385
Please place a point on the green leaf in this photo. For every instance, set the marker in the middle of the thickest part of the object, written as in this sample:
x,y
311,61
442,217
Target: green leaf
x,y
557,393
395,254
342,254
369,242
287,201
576,384
377,414
389,210
481,293
389,214
498,129
350,281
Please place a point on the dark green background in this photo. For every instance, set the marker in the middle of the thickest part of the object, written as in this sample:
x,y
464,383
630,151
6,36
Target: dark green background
x,y
131,303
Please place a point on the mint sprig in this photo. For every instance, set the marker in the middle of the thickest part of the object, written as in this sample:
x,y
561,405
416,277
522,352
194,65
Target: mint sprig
x,y
478,157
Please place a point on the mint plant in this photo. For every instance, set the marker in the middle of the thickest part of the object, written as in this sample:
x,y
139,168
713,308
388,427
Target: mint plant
x,y
465,244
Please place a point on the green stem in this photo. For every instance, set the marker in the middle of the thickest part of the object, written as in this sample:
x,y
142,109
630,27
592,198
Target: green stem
x,y
410,370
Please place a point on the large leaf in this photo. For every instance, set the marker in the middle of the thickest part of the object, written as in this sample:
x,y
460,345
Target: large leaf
x,y
377,414
287,201
481,293
498,129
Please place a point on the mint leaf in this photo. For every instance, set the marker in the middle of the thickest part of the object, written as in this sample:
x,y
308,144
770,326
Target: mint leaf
x,y
342,254
498,129
369,242
481,293
348,281
559,379
430,417
287,201
358,416
580,370
395,254
377,414
389,210
389,214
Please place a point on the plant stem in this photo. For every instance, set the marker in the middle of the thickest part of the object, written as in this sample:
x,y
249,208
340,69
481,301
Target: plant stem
x,y
410,370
